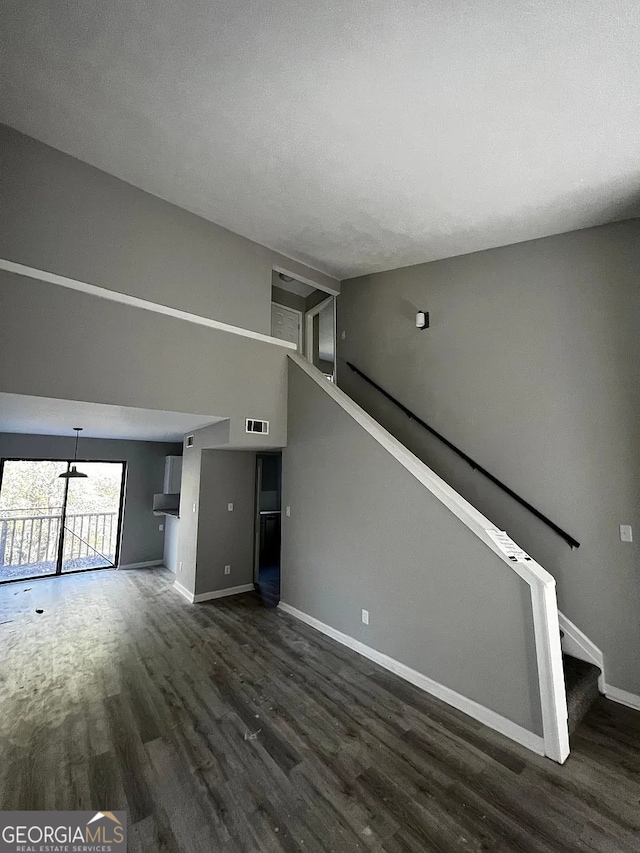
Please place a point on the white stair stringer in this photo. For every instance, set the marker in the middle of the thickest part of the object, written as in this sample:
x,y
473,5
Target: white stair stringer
x,y
542,584
578,645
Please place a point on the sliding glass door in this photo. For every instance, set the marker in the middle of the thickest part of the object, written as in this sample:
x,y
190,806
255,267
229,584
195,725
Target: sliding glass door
x,y
50,525
92,517
31,502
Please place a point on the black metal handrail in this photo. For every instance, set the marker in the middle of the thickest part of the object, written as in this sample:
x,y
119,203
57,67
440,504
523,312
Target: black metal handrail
x,y
476,467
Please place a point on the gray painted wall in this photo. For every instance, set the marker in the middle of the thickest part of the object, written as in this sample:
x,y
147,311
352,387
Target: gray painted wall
x,y
531,366
323,350
113,353
226,538
314,299
210,537
141,539
326,334
289,300
364,533
63,216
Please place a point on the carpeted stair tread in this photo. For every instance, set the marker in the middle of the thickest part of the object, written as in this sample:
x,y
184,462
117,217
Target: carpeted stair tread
x,y
581,683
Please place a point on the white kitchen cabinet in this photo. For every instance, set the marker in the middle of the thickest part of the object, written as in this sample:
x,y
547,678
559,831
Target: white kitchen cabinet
x,y
172,475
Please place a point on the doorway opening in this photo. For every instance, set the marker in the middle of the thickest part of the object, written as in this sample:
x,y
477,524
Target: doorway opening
x,y
51,525
305,315
267,532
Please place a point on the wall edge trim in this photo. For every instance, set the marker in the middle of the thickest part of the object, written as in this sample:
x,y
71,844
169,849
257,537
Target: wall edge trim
x,y
473,709
531,571
183,591
542,585
622,697
580,646
147,564
223,593
136,302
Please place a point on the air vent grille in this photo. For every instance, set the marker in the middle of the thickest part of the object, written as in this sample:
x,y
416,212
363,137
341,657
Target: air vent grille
x,y
256,426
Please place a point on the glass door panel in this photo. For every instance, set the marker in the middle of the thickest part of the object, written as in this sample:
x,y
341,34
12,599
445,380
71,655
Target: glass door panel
x,y
31,507
92,517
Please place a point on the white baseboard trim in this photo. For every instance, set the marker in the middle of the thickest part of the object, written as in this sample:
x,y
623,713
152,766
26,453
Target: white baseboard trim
x,y
484,715
208,596
146,565
622,697
223,593
184,592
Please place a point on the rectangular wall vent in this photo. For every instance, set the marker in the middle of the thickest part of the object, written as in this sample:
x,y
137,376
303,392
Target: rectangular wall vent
x,y
255,426
189,441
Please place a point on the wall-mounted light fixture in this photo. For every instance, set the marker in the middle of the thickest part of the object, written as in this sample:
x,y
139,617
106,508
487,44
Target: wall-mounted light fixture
x,y
422,320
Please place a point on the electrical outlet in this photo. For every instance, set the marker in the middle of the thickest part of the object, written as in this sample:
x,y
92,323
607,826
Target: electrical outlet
x,y
161,527
365,617
180,566
230,507
343,335
626,533
195,506
227,570
288,512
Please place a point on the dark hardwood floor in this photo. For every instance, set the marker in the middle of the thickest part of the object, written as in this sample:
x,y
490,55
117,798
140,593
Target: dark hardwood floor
x,y
226,726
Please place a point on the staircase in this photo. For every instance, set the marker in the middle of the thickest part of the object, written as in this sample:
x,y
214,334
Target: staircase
x,y
580,677
581,684
401,500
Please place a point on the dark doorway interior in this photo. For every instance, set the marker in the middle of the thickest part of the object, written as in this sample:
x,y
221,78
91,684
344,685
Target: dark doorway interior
x,y
268,489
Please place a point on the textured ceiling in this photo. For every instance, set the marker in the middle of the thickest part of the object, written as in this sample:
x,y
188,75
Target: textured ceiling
x,y
355,135
49,416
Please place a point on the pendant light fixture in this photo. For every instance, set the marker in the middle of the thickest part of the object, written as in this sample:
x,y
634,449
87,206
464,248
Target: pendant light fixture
x,y
73,472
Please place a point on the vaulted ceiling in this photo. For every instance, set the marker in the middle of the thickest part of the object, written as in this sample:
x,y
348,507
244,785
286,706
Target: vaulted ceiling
x,y
355,135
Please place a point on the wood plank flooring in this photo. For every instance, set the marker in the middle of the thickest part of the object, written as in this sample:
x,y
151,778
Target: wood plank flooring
x,y
226,726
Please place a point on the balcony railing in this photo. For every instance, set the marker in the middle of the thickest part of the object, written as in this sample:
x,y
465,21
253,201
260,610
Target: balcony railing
x,y
32,540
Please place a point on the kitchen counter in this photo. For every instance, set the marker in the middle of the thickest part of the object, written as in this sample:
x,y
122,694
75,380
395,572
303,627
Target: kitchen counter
x,y
175,513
